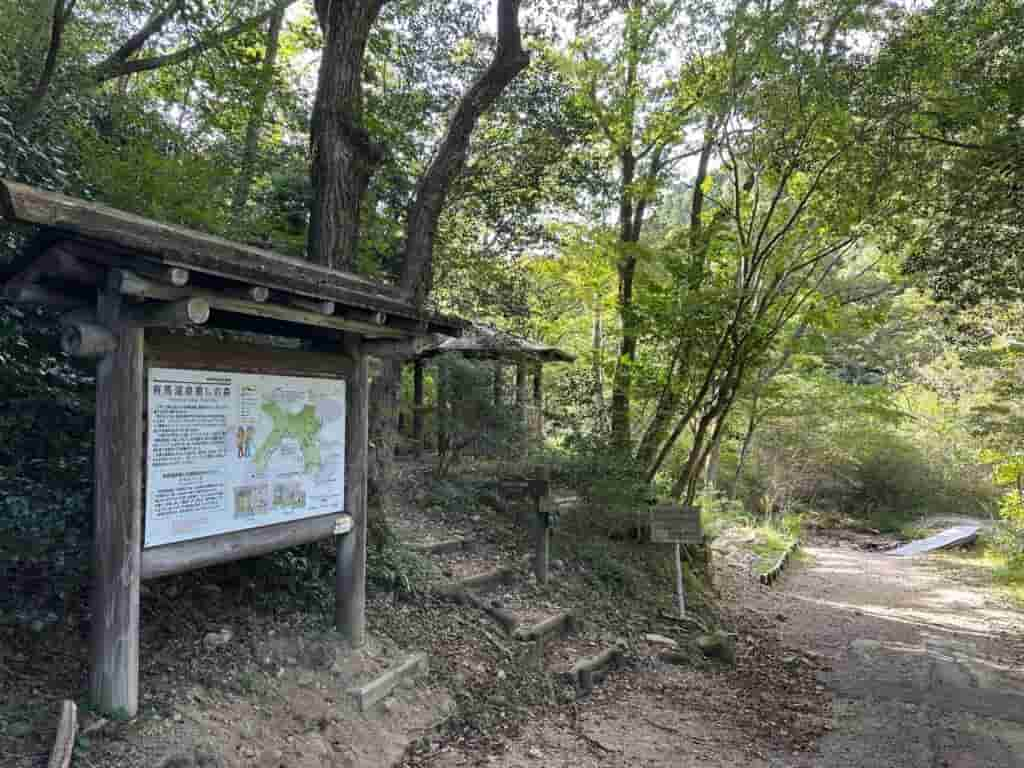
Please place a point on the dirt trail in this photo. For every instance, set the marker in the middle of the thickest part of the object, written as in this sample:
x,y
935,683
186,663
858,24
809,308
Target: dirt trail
x,y
917,664
928,661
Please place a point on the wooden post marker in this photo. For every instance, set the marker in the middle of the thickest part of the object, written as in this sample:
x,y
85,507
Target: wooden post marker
x,y
678,525
350,601
417,406
114,672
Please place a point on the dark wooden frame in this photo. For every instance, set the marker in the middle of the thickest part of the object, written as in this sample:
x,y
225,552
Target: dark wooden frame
x,y
123,282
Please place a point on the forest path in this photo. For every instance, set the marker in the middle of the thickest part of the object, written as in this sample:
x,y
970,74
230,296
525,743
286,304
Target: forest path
x,y
927,660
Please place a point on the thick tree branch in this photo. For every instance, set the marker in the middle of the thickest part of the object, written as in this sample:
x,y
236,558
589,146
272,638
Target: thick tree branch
x,y
61,15
134,44
117,66
450,158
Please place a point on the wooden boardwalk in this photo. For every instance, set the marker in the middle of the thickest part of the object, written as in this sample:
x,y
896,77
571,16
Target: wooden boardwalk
x,y
951,537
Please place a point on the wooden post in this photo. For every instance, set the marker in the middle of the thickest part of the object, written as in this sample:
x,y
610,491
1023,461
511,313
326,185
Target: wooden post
x,y
417,405
117,546
350,584
542,539
499,382
538,400
521,384
680,592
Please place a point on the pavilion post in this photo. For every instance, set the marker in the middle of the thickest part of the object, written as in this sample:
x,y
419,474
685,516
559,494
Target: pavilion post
x,y
117,547
417,406
522,387
538,397
350,584
499,382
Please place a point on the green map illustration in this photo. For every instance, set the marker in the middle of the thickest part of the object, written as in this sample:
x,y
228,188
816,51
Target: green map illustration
x,y
304,427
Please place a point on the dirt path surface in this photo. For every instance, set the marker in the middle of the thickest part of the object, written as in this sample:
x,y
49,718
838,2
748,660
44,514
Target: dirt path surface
x,y
856,659
927,660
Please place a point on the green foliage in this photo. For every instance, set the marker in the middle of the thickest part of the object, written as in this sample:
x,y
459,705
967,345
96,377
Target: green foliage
x,y
467,416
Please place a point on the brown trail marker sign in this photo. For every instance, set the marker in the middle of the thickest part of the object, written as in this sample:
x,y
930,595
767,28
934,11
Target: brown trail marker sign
x,y
678,525
232,380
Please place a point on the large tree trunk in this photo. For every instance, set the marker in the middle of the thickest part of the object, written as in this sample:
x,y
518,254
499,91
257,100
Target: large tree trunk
x,y
623,379
343,154
247,167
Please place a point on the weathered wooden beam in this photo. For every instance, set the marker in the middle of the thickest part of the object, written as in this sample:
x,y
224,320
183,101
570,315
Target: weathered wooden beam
x,y
363,316
257,293
135,285
64,743
66,265
176,276
175,314
401,349
117,537
37,294
198,553
166,350
322,307
180,247
350,585
88,340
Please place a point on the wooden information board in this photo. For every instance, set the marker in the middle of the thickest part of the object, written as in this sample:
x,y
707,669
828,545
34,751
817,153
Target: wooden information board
x,y
230,451
674,524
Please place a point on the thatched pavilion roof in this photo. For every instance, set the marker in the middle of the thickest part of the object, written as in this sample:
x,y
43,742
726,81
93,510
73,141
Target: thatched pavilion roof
x,y
486,342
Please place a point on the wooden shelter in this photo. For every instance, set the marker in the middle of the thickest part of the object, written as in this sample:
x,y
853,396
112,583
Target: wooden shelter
x,y
484,342
184,478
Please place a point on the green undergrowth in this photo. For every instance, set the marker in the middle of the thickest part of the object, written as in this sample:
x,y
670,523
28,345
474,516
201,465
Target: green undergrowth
x,y
767,537
990,561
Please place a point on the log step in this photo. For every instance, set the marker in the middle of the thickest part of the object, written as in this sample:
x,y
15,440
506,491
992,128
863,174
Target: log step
x,y
562,624
591,670
368,695
508,622
444,547
482,581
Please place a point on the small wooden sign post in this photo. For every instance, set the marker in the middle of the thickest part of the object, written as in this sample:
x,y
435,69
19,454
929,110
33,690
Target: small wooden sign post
x,y
678,525
248,439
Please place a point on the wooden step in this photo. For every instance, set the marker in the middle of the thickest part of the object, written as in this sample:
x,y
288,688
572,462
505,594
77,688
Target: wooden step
x,y
480,582
591,670
444,547
367,695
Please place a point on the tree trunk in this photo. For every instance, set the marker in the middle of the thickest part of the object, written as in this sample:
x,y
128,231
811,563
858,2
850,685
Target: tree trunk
x,y
343,154
622,382
61,13
748,442
597,359
252,132
713,459
385,390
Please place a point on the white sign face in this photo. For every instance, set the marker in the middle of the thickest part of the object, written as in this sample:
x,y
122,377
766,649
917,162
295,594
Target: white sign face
x,y
232,451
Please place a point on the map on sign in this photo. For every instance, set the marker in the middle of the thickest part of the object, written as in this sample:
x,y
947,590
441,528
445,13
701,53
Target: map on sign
x,y
231,451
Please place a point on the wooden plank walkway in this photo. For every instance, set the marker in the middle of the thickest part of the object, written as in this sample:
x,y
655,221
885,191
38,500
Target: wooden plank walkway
x,y
951,537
